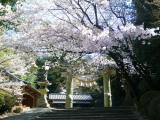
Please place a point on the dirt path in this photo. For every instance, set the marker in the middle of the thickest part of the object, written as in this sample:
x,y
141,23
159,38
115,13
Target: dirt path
x,y
29,115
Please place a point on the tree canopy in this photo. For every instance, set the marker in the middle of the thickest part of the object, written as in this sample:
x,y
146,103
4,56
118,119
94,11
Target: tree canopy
x,y
148,12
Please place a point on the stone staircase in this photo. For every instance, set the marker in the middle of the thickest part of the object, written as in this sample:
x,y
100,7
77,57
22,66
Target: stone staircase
x,y
112,113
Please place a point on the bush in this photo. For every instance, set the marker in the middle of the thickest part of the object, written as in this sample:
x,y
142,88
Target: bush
x,y
145,100
17,109
1,101
7,101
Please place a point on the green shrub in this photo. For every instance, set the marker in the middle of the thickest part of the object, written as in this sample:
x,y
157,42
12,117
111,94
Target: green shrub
x,y
7,101
145,100
17,109
1,101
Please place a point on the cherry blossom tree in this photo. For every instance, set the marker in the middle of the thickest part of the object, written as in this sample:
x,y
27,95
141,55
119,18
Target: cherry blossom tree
x,y
16,62
7,7
83,27
8,59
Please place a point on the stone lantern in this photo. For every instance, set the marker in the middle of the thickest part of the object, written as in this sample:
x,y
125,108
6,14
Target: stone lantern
x,y
43,88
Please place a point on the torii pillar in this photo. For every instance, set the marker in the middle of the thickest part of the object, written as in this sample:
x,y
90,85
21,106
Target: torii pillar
x,y
107,87
69,90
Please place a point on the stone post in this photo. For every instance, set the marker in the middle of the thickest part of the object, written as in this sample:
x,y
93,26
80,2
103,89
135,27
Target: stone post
x,y
69,91
107,89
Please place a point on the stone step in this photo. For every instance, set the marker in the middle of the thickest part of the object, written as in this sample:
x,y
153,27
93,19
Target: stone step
x,y
104,111
90,112
113,113
121,108
105,114
85,114
86,118
96,110
99,110
108,108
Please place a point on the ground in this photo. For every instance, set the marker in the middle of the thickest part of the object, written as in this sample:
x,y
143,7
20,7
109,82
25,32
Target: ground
x,y
27,115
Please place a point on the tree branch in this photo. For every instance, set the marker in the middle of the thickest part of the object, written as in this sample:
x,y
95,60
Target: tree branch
x,y
84,12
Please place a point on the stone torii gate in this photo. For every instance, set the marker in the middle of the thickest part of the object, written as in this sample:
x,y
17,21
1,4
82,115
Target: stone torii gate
x,y
107,73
